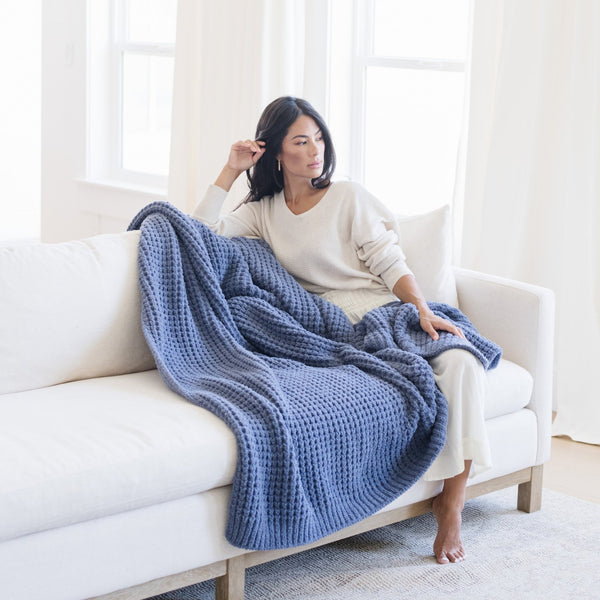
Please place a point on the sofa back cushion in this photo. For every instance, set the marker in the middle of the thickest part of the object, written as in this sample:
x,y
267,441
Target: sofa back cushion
x,y
70,311
426,240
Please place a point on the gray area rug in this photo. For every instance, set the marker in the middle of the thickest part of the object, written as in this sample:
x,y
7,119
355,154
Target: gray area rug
x,y
551,554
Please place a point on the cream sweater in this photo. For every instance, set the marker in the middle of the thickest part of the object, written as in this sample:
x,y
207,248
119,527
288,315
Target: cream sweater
x,y
345,248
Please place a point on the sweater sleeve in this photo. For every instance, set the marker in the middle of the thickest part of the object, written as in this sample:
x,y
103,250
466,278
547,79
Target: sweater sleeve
x,y
377,237
241,222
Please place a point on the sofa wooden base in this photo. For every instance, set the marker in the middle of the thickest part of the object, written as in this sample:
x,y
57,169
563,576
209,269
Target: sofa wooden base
x,y
229,574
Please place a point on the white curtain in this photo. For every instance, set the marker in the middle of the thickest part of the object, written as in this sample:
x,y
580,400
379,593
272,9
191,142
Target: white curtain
x,y
532,176
232,58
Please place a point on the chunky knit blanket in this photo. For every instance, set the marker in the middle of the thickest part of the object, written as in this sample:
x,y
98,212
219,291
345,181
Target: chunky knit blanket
x,y
332,421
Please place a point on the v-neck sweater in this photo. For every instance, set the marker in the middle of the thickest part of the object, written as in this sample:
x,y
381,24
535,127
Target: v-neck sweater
x,y
349,241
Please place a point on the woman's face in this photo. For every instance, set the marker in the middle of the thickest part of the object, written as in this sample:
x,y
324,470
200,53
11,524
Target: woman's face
x,y
302,149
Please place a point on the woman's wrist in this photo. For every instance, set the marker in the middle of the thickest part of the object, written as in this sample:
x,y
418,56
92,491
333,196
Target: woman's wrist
x,y
407,290
227,177
421,305
423,308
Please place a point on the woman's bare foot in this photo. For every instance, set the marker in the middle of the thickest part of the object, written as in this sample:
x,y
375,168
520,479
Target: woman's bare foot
x,y
447,509
448,546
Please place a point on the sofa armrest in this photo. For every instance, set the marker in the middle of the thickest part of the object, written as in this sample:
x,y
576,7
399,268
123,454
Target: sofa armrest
x,y
520,318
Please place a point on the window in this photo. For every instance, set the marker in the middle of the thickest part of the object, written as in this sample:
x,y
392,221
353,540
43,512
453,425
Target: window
x,y
405,79
131,83
396,92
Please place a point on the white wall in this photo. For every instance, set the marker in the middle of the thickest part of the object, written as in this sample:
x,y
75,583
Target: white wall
x,y
20,108
72,206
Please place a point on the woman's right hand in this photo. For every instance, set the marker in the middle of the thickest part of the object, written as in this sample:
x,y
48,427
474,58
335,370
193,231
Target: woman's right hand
x,y
242,156
245,154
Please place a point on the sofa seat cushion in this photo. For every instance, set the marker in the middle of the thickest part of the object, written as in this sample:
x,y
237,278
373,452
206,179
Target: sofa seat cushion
x,y
509,389
92,448
87,449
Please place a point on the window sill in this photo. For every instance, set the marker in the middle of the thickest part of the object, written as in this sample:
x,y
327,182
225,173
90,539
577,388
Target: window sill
x,y
112,199
156,192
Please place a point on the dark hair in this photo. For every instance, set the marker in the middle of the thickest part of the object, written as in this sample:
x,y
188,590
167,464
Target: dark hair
x,y
264,178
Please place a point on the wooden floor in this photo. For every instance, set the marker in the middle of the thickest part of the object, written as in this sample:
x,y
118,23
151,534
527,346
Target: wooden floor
x,y
573,469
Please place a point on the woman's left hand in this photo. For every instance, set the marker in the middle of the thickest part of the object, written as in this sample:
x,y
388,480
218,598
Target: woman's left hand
x,y
407,289
431,324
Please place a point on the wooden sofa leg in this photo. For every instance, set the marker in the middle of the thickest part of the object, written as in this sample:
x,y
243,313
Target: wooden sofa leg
x,y
529,498
231,585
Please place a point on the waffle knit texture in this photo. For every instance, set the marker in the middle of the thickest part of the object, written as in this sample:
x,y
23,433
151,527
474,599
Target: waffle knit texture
x,y
332,421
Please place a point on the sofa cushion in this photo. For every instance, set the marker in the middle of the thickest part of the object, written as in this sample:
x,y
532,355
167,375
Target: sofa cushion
x,y
70,311
91,448
426,240
509,389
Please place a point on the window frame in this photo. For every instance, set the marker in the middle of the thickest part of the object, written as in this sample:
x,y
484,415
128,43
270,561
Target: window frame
x,y
107,30
363,58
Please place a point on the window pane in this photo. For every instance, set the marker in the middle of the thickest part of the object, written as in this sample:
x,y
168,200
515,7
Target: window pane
x,y
412,130
147,85
152,21
421,28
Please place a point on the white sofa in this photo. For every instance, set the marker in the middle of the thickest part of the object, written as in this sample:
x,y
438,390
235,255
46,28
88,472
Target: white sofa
x,y
112,486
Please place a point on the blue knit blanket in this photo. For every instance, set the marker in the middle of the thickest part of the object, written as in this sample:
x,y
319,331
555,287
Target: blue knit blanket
x,y
332,421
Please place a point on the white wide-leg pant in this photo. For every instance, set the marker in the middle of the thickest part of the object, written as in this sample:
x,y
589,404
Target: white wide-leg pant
x,y
461,378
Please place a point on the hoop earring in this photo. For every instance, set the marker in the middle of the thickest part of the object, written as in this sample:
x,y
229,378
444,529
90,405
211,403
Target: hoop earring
x,y
278,165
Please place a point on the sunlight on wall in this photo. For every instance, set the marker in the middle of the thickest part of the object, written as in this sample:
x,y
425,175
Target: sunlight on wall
x,y
20,119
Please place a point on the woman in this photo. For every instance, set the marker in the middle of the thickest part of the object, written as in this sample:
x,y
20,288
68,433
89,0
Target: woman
x,y
340,242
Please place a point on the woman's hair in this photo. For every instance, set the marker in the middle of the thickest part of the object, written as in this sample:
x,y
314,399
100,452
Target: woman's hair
x,y
265,178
